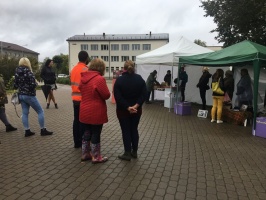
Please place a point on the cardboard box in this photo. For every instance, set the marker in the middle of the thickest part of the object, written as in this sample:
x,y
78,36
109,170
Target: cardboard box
x,y
183,108
260,127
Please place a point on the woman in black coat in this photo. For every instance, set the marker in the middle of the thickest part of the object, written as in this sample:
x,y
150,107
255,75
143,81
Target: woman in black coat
x,y
203,85
49,78
130,93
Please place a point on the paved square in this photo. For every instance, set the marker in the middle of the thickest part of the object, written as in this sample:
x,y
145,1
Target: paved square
x,y
180,157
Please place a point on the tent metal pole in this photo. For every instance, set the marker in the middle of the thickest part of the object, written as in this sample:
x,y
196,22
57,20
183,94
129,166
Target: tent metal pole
x,y
256,66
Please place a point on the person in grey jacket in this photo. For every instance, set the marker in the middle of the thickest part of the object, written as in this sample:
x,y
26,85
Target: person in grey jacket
x,y
149,85
244,90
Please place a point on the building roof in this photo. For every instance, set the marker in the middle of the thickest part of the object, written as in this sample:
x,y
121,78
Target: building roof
x,y
119,37
15,47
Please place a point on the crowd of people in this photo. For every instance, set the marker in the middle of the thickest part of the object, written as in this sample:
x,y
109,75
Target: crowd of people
x,y
90,92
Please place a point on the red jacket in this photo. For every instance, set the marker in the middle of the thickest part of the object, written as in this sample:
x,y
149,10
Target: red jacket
x,y
94,92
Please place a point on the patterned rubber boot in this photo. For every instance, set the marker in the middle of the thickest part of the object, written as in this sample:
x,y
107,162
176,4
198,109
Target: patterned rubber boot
x,y
96,154
86,149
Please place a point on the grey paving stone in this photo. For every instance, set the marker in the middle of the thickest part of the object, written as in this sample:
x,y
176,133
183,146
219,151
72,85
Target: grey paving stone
x,y
180,157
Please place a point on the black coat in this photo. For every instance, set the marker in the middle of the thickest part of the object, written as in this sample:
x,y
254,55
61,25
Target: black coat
x,y
129,89
48,75
204,80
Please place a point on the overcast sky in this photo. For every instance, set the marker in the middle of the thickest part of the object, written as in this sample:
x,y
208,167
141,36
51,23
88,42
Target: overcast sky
x,y
44,25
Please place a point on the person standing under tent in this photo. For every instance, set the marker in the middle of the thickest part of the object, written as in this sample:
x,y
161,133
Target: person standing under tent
x,y
167,78
151,80
183,77
203,85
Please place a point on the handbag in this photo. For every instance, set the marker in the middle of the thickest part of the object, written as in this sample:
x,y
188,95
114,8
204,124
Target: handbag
x,y
15,99
216,87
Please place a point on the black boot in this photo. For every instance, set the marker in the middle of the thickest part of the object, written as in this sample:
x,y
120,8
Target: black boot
x,y
134,154
44,132
56,105
125,156
10,128
28,133
47,106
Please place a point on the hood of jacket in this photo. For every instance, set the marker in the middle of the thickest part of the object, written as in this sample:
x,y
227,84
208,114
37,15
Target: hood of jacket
x,y
21,70
88,76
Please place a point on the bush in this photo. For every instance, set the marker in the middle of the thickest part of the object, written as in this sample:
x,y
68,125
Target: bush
x,y
65,81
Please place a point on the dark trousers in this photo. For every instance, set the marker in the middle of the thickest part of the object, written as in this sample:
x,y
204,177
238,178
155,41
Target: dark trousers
x,y
78,128
182,90
148,96
203,98
130,134
94,133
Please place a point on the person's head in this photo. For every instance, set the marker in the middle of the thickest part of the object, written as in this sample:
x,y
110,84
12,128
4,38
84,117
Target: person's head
x,y
97,64
228,73
154,72
182,69
83,57
129,66
205,69
25,62
49,62
244,72
168,71
219,73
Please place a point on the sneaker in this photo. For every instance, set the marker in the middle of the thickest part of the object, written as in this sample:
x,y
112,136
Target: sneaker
x,y
10,128
44,132
213,120
219,121
28,133
125,156
134,154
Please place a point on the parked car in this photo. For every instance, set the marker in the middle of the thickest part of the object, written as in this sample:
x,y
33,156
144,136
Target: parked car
x,y
62,76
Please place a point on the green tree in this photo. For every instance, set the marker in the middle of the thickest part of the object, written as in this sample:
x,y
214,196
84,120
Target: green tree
x,y
200,42
237,20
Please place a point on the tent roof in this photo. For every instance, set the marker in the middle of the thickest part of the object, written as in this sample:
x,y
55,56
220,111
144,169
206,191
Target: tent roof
x,y
170,53
240,53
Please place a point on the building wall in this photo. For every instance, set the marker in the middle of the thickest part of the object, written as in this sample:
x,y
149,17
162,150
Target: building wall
x,y
75,48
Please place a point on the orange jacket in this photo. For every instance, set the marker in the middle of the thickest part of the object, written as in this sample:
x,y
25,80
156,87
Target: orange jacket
x,y
75,77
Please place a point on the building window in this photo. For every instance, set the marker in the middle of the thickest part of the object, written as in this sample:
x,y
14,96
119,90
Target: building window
x,y
125,47
112,69
115,47
93,57
115,58
133,58
105,58
117,68
84,47
146,47
135,47
125,58
107,69
94,47
104,47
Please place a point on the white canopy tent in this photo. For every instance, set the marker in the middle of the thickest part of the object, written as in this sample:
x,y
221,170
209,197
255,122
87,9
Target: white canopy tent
x,y
166,57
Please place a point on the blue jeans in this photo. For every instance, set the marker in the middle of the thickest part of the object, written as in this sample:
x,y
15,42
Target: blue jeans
x,y
27,102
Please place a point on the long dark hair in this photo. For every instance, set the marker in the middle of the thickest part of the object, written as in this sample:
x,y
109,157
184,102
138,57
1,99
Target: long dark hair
x,y
218,74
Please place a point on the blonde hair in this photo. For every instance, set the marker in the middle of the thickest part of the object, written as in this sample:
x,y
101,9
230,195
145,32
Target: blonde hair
x,y
97,64
129,66
25,62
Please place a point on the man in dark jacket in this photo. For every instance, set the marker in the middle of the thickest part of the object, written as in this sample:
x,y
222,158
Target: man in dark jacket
x,y
183,77
203,85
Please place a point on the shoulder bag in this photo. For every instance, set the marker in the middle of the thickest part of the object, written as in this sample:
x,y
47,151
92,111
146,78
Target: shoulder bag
x,y
216,88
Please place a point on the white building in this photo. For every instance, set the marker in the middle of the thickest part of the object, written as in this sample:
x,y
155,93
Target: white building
x,y
114,49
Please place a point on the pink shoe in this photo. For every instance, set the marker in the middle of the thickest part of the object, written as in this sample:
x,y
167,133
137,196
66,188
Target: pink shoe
x,y
100,159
